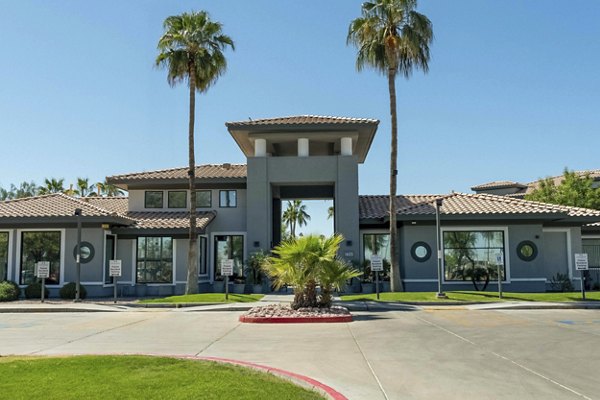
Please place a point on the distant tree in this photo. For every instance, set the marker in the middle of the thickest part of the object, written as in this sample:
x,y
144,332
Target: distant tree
x,y
84,189
330,212
108,190
295,215
574,190
25,189
52,185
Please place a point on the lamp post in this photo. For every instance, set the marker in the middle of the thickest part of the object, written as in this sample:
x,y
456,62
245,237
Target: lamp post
x,y
438,228
78,257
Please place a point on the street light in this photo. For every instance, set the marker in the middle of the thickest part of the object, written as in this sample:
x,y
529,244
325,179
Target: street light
x,y
78,257
438,204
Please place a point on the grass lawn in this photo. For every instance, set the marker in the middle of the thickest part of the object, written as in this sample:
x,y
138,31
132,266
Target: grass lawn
x,y
207,298
137,377
466,296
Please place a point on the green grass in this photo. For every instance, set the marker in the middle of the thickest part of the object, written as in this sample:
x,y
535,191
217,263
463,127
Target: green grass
x,y
206,298
467,296
137,377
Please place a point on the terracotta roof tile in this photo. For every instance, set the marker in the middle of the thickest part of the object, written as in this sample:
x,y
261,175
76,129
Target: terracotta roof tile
x,y
302,120
117,204
51,205
499,185
168,219
209,171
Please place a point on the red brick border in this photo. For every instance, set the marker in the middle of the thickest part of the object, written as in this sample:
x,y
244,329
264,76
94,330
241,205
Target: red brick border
x,y
294,320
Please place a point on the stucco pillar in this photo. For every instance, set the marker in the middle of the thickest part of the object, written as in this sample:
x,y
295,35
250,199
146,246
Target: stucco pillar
x,y
346,146
303,147
260,148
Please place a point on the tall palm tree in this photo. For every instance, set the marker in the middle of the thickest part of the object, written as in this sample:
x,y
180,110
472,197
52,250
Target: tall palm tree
x,y
108,190
52,185
295,215
84,189
393,38
191,49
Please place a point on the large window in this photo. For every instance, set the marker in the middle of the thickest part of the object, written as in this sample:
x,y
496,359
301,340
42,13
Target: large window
x,y
203,199
154,260
3,256
592,248
471,255
153,199
376,243
40,246
202,270
229,247
177,199
227,198
109,254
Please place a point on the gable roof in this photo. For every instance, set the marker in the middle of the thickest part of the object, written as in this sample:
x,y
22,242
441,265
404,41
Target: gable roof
x,y
499,185
51,205
302,120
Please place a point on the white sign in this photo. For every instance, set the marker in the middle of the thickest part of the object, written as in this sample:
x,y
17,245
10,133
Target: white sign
x,y
42,269
114,268
581,262
227,267
376,263
500,258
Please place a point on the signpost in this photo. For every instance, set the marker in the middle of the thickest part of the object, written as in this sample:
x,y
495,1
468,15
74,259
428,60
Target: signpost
x,y
114,270
42,270
227,271
376,266
499,266
582,265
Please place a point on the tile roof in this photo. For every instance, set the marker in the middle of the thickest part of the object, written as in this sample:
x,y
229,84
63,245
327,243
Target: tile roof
x,y
499,185
302,120
50,205
117,204
168,219
375,207
208,171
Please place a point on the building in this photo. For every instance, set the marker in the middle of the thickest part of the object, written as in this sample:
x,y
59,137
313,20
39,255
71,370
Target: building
x,y
239,213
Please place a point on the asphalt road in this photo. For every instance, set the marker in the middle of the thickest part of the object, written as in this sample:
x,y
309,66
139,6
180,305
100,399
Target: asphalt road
x,y
447,353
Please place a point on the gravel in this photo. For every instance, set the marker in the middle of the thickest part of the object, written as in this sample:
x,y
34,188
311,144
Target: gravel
x,y
278,311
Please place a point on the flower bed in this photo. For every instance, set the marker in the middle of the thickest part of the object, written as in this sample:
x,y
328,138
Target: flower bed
x,y
276,314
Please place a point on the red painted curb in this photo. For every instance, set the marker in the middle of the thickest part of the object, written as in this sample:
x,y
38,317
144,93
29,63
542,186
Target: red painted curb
x,y
294,320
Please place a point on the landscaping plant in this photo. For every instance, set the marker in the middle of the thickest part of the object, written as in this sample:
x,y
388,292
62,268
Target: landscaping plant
x,y
67,292
34,291
9,291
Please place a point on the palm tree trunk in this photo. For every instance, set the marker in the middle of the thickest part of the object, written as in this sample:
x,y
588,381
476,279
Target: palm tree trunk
x,y
191,286
395,278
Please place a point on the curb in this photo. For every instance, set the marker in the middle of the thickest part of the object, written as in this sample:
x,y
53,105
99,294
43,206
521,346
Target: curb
x,y
294,320
50,310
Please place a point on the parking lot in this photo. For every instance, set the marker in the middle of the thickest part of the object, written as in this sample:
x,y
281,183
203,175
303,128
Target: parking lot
x,y
431,353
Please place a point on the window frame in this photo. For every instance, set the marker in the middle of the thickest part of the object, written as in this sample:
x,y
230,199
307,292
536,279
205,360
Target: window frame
x,y
507,277
209,198
19,260
137,260
214,270
228,191
162,198
185,197
9,255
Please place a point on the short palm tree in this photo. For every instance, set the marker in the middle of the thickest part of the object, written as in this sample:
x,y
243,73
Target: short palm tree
x,y
393,38
295,215
108,190
191,49
52,185
333,275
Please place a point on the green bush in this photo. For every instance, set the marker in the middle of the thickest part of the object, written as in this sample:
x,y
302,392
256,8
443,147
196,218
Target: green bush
x,y
561,283
67,292
34,291
9,291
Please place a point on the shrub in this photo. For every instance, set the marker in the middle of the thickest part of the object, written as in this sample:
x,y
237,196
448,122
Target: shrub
x,y
34,291
9,291
561,283
67,292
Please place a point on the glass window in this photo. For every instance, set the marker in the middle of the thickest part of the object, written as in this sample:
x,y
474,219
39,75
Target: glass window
x,y
177,199
420,251
154,260
3,256
592,248
527,250
376,243
153,200
109,255
40,246
202,270
227,198
229,247
203,199
471,255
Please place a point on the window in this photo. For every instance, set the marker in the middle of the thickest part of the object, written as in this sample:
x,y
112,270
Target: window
x,y
203,199
592,248
177,199
40,246
229,247
153,200
154,260
3,256
202,270
109,254
227,198
527,250
471,255
420,251
376,243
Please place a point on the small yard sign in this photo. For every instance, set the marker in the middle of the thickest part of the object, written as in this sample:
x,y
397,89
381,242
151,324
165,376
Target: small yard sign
x,y
114,268
500,258
376,263
581,262
227,267
43,269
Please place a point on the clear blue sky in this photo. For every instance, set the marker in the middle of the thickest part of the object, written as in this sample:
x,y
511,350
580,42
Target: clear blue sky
x,y
513,90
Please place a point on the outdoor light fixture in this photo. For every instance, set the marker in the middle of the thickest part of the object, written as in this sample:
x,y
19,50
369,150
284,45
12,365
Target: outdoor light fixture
x,y
78,256
438,205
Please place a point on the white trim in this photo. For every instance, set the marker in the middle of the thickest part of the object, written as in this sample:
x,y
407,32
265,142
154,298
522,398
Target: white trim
x,y
214,254
206,276
362,233
419,280
569,250
62,253
92,283
174,260
583,236
529,279
9,255
134,262
504,229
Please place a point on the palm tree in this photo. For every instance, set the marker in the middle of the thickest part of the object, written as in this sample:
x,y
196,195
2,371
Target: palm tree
x,y
108,190
394,39
330,212
333,275
191,49
52,185
295,215
84,189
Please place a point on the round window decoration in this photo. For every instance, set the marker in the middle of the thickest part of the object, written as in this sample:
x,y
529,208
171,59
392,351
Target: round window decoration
x,y
87,252
420,251
527,250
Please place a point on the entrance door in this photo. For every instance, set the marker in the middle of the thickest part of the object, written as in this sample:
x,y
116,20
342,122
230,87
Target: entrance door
x,y
109,254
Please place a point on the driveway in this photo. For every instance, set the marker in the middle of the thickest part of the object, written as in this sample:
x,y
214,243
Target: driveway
x,y
445,353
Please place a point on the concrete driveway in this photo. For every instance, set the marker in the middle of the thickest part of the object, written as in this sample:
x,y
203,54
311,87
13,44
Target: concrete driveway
x,y
447,353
